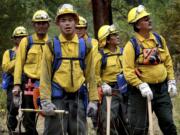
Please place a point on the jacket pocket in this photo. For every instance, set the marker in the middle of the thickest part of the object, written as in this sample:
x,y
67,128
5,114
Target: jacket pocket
x,y
32,57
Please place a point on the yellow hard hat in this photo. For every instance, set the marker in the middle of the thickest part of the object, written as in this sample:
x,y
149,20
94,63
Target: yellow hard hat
x,y
19,31
82,22
66,9
41,16
137,13
105,31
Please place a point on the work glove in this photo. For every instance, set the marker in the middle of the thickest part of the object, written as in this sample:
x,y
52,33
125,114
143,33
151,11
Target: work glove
x,y
48,108
172,88
92,112
16,95
107,90
145,90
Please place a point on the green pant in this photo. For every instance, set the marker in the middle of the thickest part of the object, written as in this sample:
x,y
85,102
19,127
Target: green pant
x,y
73,123
161,105
117,119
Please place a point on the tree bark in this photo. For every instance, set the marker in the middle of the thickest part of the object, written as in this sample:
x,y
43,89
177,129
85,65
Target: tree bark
x,y
102,14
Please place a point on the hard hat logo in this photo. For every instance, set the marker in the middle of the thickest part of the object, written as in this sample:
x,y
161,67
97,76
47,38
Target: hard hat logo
x,y
137,13
40,16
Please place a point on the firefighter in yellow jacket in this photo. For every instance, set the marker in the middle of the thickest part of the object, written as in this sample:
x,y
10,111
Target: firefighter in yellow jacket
x,y
8,64
67,67
81,30
28,65
108,65
148,68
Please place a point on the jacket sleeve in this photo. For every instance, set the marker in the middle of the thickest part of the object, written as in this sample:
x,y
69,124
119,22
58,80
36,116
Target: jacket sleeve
x,y
90,76
129,65
7,65
46,73
168,62
20,61
97,61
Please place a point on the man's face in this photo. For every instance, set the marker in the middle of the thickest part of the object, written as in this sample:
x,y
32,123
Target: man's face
x,y
81,31
145,24
66,24
114,39
41,28
17,40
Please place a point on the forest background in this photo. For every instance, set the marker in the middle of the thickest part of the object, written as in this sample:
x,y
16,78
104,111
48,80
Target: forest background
x,y
164,14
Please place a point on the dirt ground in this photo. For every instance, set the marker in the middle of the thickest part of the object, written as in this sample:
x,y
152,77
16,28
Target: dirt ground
x,y
40,127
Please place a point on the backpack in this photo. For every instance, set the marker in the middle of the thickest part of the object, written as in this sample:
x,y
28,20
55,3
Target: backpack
x,y
121,82
57,90
137,47
7,78
105,56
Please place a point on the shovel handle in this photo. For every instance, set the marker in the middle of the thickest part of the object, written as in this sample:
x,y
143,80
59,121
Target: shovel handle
x,y
108,100
38,110
150,116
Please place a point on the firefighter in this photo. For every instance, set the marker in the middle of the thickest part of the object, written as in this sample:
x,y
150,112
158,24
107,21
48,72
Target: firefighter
x,y
8,64
67,67
108,65
81,30
148,68
27,67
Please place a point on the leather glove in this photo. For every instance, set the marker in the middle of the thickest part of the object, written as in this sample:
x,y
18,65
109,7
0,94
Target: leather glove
x,y
92,112
107,90
48,107
16,95
172,88
16,100
145,90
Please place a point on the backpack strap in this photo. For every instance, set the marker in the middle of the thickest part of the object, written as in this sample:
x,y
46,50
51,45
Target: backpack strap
x,y
30,43
11,54
158,39
89,39
136,46
121,50
103,59
57,54
82,53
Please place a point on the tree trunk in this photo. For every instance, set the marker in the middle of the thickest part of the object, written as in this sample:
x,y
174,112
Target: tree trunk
x,y
102,14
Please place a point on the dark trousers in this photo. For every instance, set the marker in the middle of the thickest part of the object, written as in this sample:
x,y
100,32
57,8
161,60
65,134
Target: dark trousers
x,y
118,119
73,123
29,121
12,111
29,117
161,105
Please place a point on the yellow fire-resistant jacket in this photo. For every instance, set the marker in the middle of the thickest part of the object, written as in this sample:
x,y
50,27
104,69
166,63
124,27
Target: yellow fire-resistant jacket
x,y
7,64
113,67
63,75
149,73
29,63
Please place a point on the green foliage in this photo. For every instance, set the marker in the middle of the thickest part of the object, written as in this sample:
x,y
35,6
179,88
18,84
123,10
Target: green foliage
x,y
10,15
